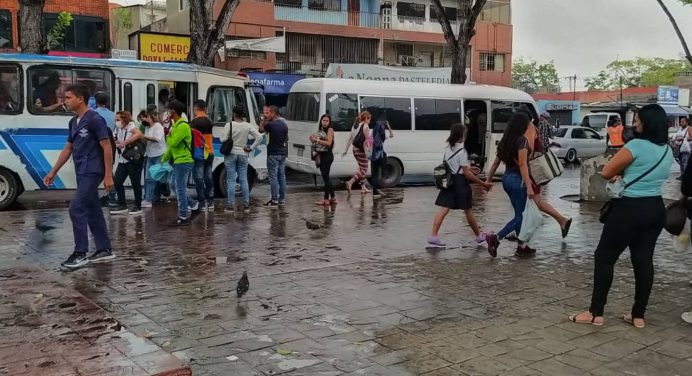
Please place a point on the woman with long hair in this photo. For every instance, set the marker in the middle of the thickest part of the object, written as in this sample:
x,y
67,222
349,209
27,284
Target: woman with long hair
x,y
359,133
635,219
156,146
513,151
126,133
459,195
323,142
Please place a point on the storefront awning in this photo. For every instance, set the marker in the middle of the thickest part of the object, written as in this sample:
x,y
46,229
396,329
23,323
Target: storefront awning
x,y
675,110
274,83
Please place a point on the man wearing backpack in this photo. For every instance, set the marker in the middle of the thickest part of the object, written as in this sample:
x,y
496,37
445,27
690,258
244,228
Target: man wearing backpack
x,y
89,145
179,151
204,181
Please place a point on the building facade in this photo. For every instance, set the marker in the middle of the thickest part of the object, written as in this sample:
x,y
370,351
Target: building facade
x,y
387,32
87,35
125,20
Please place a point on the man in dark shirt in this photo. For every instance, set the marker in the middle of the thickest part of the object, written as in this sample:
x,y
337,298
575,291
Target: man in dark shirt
x,y
204,180
277,149
89,145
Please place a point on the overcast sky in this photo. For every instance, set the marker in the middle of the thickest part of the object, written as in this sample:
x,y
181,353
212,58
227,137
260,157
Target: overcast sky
x,y
583,36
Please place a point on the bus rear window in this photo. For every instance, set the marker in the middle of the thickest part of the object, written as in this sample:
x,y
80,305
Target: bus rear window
x,y
303,107
343,108
10,89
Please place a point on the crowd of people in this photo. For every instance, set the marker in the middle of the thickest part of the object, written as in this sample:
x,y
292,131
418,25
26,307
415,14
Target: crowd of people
x,y
636,172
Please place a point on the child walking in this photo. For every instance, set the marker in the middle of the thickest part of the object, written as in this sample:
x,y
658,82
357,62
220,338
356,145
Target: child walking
x,y
459,195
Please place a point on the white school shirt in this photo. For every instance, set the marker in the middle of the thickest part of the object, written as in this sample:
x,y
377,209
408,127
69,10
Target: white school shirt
x,y
459,160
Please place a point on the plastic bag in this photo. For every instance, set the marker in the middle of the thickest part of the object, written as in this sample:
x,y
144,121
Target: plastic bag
x,y
161,172
676,216
681,243
531,221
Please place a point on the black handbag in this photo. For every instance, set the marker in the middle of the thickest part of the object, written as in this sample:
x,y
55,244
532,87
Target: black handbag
x,y
134,151
227,146
608,206
676,216
359,140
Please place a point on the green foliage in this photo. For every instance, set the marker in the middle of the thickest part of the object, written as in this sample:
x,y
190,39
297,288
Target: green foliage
x,y
57,32
122,18
686,2
638,72
530,76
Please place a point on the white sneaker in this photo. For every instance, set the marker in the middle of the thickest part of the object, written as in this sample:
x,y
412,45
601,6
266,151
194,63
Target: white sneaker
x,y
687,317
194,207
146,204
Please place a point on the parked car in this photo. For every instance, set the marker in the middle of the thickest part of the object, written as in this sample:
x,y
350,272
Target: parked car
x,y
575,142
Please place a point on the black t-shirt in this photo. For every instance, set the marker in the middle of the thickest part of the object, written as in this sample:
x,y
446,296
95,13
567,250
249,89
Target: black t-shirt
x,y
278,137
513,163
202,124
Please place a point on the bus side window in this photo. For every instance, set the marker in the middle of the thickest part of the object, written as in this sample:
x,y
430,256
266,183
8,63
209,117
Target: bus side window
x,y
436,114
46,86
303,107
127,97
151,94
10,90
220,103
503,110
343,108
397,111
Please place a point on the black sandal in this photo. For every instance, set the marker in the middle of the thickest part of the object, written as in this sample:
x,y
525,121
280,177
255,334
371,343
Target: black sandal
x,y
565,230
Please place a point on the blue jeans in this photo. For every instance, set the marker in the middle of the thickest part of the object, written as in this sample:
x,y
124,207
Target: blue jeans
x,y
516,190
182,173
276,166
204,181
150,190
85,212
236,169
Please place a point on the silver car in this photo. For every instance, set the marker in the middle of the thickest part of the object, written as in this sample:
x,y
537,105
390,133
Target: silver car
x,y
571,143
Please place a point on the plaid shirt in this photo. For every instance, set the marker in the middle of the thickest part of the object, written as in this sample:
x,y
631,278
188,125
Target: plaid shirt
x,y
544,130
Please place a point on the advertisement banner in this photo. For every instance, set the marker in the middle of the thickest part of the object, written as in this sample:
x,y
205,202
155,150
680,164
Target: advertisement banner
x,y
667,95
163,47
390,73
275,83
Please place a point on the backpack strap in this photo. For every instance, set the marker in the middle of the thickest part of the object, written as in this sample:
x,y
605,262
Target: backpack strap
x,y
452,156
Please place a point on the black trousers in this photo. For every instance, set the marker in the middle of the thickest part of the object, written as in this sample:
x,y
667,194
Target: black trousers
x,y
376,174
326,160
635,223
133,170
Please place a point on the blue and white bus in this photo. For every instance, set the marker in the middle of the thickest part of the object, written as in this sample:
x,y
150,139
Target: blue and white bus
x,y
33,122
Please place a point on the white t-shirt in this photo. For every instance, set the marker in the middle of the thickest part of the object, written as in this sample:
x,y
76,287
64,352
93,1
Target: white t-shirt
x,y
242,132
459,160
681,134
158,147
123,134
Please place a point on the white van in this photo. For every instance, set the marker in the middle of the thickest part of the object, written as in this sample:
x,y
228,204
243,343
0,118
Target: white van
x,y
31,137
419,114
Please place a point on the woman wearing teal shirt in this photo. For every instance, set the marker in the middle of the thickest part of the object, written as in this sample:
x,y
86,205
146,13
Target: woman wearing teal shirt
x,y
647,158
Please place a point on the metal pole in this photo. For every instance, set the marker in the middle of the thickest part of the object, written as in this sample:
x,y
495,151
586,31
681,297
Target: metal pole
x,y
574,88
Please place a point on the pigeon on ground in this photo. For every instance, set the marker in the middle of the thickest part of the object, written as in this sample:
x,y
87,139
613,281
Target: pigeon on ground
x,y
312,225
43,227
243,285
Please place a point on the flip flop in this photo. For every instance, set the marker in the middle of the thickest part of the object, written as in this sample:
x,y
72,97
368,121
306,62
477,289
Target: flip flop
x,y
565,230
573,318
628,319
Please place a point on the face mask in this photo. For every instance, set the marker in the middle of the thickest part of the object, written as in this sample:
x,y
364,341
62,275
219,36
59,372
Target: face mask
x,y
119,124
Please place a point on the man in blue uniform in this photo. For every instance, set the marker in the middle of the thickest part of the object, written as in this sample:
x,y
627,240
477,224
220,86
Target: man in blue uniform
x,y
89,145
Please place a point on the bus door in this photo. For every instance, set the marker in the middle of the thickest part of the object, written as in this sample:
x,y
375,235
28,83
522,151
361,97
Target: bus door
x,y
477,135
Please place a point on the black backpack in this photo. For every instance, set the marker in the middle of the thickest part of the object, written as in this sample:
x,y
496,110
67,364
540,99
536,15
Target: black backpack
x,y
443,174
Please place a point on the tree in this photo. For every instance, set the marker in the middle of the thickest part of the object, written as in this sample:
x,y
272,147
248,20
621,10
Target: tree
x,y
57,32
467,14
121,21
531,77
206,35
685,48
31,39
637,72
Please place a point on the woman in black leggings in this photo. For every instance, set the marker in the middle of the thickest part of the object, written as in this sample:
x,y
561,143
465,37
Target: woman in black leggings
x,y
636,218
323,143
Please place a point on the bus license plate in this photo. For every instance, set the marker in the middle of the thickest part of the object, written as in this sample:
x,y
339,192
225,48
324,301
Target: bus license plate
x,y
300,149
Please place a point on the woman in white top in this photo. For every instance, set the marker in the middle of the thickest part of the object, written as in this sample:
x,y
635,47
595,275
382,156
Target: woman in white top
x,y
126,134
682,142
236,163
156,147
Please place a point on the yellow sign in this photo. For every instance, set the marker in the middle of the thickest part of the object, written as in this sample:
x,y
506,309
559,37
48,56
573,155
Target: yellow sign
x,y
162,47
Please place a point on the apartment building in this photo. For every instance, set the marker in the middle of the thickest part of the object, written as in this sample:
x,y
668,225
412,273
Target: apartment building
x,y
88,34
387,32
125,20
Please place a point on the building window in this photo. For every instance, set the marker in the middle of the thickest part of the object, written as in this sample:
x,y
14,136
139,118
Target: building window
x,y
498,11
46,86
412,10
10,89
325,4
247,54
5,28
289,3
492,62
85,34
451,13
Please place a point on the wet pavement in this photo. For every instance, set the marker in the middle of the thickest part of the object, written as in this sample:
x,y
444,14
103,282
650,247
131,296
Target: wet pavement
x,y
360,295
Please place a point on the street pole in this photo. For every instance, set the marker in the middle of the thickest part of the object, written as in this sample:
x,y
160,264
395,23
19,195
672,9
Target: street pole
x,y
620,92
574,88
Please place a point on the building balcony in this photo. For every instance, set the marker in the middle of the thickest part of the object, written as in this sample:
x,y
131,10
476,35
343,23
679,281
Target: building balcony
x,y
326,17
418,24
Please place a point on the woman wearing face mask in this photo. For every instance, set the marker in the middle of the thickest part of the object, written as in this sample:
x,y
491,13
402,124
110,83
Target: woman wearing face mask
x,y
323,142
156,146
127,133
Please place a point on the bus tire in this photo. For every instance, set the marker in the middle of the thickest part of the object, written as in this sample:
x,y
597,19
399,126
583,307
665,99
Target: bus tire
x,y
220,180
10,188
392,171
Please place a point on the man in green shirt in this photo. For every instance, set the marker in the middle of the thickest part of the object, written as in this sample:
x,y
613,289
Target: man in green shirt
x,y
179,152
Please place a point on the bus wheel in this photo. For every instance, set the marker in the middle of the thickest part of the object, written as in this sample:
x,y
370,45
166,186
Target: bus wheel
x,y
391,173
9,188
571,156
221,185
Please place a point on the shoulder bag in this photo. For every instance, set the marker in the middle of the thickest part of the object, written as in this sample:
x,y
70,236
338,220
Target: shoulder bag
x,y
227,145
608,206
